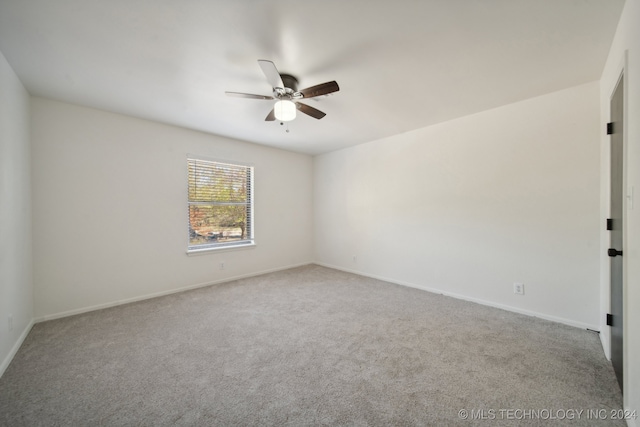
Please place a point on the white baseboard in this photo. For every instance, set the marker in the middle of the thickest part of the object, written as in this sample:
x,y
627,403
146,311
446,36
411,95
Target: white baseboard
x,y
373,276
544,316
7,360
160,294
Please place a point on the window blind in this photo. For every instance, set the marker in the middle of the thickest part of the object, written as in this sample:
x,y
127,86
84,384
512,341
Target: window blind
x,y
220,204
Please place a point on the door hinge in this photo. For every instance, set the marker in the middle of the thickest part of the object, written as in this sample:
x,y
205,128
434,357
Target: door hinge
x,y
609,224
609,319
610,128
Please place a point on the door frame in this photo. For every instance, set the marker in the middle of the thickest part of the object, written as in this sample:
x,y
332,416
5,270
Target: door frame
x,y
607,92
616,234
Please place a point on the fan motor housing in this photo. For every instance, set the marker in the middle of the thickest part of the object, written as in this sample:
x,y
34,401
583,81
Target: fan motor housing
x,y
290,82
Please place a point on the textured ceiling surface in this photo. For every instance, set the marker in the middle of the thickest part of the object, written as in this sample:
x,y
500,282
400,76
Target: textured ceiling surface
x,y
401,65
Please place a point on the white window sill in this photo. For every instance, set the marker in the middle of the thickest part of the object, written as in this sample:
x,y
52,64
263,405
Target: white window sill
x,y
204,251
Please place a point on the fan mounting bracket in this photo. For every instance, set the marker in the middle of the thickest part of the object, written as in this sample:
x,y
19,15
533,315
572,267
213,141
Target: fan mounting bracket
x,y
290,89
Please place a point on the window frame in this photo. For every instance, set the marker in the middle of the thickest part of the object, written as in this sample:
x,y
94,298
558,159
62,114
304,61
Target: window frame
x,y
249,241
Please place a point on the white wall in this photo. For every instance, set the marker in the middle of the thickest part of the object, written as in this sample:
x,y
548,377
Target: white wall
x,y
470,206
16,285
110,214
625,55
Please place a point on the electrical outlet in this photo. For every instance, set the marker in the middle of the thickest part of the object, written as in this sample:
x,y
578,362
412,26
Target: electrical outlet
x,y
518,288
222,265
355,259
10,322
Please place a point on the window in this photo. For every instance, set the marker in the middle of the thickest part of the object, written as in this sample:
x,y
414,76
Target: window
x,y
220,204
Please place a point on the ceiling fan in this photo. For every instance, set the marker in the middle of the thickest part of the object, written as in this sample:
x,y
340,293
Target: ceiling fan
x,y
285,90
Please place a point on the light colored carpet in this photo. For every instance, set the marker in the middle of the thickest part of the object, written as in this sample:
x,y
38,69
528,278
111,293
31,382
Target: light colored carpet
x,y
306,346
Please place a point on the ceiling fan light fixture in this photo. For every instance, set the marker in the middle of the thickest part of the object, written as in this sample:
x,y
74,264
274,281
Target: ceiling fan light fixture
x,y
286,94
285,110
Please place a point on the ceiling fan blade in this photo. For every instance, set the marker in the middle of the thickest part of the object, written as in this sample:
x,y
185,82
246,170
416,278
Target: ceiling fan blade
x,y
248,95
321,89
310,111
273,76
271,116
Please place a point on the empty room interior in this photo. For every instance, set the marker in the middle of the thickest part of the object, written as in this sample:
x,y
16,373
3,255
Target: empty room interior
x,y
270,212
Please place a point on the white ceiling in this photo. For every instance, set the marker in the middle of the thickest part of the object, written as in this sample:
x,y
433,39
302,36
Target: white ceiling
x,y
401,64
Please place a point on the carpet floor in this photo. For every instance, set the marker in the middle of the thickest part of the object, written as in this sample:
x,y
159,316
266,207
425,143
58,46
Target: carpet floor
x,y
307,346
